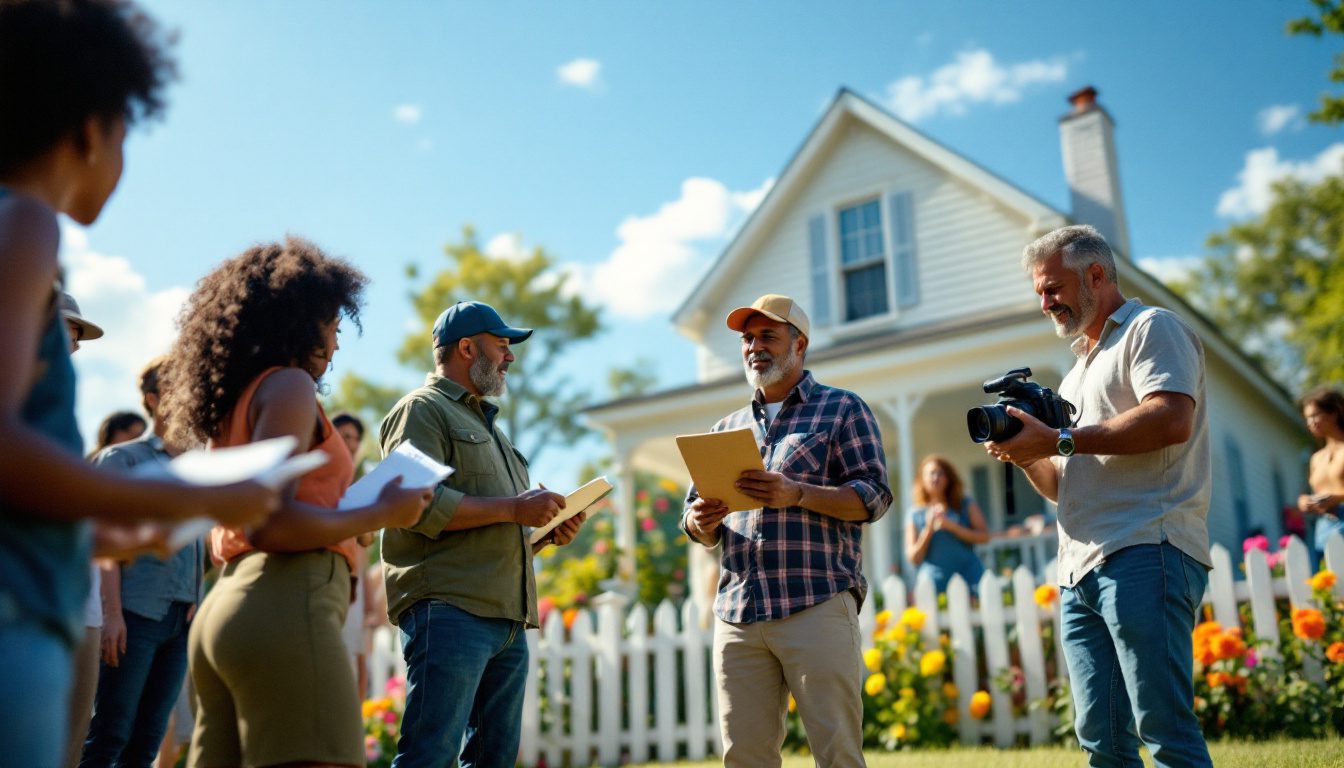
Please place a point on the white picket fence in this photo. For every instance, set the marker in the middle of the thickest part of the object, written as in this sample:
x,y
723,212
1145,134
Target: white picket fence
x,y
618,687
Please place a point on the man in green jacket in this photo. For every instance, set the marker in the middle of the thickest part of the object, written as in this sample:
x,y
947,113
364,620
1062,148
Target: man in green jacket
x,y
460,584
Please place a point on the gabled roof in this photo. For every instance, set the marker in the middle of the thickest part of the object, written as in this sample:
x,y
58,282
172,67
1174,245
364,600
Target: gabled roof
x,y
847,106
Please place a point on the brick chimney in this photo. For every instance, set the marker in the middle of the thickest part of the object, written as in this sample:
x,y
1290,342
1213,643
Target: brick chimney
x,y
1087,138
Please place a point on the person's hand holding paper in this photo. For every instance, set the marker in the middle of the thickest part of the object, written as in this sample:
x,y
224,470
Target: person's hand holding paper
x,y
771,489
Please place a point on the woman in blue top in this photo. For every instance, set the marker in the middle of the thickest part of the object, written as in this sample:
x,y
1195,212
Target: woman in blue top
x,y
943,528
73,75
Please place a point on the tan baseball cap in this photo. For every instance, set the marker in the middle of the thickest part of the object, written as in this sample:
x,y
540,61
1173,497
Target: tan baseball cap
x,y
781,309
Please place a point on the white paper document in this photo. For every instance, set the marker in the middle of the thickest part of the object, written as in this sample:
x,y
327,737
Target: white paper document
x,y
415,468
584,497
267,462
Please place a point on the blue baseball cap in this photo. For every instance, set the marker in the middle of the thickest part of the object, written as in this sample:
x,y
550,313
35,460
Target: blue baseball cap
x,y
468,318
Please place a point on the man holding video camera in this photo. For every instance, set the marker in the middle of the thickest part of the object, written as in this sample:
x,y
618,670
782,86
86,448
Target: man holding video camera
x,y
1132,480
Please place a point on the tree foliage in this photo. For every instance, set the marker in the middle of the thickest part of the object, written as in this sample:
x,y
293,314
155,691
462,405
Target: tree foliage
x,y
1276,283
542,405
1331,21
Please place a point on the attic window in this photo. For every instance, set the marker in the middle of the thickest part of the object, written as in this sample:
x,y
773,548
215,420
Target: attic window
x,y
863,263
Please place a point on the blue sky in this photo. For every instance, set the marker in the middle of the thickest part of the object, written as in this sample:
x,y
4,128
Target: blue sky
x,y
631,139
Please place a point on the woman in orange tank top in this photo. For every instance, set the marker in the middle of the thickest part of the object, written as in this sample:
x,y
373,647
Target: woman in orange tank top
x,y
273,682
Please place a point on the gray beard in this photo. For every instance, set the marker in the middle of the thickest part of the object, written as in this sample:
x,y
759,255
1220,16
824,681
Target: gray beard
x,y
777,372
485,376
1078,322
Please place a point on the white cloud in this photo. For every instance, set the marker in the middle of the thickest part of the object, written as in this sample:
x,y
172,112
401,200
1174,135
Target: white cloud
x,y
139,324
974,77
1263,167
507,246
1169,268
583,73
1279,117
662,253
409,114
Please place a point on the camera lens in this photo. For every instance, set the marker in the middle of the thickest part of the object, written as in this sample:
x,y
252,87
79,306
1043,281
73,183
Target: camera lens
x,y
991,422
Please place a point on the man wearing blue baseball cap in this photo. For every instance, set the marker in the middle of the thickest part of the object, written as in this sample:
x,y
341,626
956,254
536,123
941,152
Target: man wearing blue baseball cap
x,y
459,583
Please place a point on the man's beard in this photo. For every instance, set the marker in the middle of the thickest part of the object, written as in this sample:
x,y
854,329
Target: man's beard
x,y
777,372
486,376
1077,321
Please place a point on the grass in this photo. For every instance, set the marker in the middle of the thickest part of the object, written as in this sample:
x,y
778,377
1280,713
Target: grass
x,y
1324,753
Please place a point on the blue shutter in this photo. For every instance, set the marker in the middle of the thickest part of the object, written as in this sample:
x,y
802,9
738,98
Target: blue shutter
x,y
901,207
821,271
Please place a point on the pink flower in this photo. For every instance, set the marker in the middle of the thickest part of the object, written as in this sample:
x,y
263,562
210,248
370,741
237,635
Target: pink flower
x,y
660,504
395,685
1284,539
1273,558
647,524
1250,658
679,574
389,716
1255,542
600,546
372,751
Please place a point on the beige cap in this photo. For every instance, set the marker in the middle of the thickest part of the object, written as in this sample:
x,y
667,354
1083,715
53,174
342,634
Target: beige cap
x,y
70,311
781,309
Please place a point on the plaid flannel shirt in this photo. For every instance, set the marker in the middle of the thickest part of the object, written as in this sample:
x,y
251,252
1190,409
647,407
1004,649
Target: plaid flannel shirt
x,y
776,562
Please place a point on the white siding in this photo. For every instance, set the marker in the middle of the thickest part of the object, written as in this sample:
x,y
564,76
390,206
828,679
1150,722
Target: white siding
x,y
967,245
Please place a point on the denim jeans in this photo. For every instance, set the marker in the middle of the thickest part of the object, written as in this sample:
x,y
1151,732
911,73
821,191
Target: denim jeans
x,y
134,698
1126,633
465,678
36,672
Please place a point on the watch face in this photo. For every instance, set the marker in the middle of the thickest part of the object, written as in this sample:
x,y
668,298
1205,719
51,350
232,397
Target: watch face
x,y
1065,444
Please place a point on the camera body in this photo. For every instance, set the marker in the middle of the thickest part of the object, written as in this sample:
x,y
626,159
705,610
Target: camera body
x,y
992,422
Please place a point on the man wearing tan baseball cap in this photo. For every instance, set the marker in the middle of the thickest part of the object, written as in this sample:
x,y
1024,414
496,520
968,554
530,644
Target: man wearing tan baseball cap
x,y
792,577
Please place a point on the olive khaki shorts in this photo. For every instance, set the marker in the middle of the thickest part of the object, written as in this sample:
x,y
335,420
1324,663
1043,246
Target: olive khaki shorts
x,y
273,680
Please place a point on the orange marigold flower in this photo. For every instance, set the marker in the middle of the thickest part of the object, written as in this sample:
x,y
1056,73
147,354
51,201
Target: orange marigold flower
x,y
793,703
1215,679
569,615
1335,653
1322,580
950,690
950,716
1308,623
1228,645
980,702
882,619
1046,594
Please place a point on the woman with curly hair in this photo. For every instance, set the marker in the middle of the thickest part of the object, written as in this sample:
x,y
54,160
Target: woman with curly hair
x,y
74,74
273,682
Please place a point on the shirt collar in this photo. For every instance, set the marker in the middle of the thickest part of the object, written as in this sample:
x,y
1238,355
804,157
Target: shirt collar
x,y
454,391
1119,317
800,393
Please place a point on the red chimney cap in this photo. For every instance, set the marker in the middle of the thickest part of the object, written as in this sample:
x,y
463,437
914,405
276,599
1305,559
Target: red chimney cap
x,y
1084,99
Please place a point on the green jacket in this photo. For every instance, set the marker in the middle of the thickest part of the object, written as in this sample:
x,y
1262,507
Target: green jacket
x,y
485,571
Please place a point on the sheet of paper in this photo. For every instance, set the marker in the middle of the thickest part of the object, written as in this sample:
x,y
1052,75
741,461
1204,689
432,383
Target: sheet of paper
x,y
188,531
717,459
582,498
415,468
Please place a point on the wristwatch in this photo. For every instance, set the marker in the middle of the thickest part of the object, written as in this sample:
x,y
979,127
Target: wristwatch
x,y
1064,444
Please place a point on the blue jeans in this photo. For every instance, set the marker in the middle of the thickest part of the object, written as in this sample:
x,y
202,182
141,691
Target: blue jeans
x,y
134,698
36,672
465,678
1126,632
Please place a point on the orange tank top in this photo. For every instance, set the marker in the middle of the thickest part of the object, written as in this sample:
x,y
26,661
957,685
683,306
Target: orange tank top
x,y
323,487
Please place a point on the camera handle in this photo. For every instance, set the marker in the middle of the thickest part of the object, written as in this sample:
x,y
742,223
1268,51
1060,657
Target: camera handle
x,y
1009,498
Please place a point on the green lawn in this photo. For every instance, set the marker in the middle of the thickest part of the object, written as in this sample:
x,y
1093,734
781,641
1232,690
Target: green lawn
x,y
1326,753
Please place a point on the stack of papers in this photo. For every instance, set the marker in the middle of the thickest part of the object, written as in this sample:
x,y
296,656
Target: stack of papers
x,y
416,470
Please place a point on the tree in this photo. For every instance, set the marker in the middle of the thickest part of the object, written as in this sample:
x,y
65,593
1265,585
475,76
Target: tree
x,y
543,405
1276,283
1331,20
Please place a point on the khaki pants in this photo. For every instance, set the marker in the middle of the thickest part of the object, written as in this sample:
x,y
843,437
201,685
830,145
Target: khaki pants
x,y
813,654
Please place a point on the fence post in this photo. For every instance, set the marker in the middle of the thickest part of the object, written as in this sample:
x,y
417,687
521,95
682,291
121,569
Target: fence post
x,y
893,595
553,651
581,688
1334,560
1030,649
993,630
1298,570
1260,595
639,684
964,665
608,660
1221,591
926,600
693,656
529,748
665,680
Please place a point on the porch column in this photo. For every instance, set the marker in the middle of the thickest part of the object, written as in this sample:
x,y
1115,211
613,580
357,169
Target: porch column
x,y
625,524
902,411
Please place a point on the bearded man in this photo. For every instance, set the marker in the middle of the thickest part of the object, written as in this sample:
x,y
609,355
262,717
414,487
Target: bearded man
x,y
1132,479
791,578
460,585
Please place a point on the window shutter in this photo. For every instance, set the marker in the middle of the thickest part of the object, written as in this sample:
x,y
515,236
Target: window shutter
x,y
901,208
821,271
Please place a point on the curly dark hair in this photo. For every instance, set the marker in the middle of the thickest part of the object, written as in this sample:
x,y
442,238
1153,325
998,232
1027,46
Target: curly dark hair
x,y
263,308
64,61
1326,400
